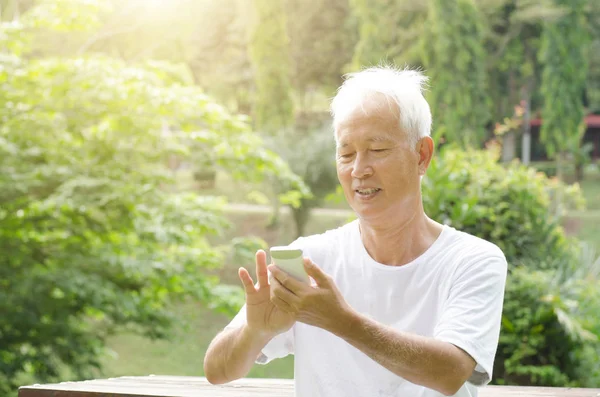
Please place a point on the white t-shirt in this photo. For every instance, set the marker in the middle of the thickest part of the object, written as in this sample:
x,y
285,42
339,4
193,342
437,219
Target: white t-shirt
x,y
453,292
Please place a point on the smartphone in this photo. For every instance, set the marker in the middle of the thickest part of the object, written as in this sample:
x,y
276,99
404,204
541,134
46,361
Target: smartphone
x,y
291,261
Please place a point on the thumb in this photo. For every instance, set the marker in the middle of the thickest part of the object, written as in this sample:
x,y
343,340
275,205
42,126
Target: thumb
x,y
316,273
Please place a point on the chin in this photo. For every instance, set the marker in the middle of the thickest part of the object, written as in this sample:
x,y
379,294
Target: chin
x,y
365,213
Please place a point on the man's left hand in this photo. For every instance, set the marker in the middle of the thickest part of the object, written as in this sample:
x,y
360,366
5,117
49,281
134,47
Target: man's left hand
x,y
321,305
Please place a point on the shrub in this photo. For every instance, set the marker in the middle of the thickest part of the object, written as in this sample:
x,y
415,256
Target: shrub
x,y
548,335
512,206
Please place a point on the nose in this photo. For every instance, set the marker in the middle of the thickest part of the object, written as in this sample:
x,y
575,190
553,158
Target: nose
x,y
361,168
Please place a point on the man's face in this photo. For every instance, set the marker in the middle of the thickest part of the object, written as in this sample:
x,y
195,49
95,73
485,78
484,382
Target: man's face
x,y
378,170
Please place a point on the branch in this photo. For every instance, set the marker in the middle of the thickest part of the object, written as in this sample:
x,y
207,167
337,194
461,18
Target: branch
x,y
506,39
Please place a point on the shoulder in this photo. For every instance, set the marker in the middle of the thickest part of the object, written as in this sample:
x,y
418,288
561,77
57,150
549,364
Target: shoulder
x,y
475,252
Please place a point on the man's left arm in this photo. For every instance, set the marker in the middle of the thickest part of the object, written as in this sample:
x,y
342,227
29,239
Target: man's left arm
x,y
428,361
421,360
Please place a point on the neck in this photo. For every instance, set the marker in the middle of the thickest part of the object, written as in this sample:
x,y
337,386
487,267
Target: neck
x,y
400,242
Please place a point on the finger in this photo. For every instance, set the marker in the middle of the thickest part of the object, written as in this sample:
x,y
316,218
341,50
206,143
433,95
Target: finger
x,y
282,305
314,271
279,290
261,269
246,280
294,285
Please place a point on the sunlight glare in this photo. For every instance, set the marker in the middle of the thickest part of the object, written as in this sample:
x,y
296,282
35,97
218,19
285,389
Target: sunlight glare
x,y
155,3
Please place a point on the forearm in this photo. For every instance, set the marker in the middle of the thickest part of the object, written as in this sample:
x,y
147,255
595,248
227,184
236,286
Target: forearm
x,y
232,354
421,360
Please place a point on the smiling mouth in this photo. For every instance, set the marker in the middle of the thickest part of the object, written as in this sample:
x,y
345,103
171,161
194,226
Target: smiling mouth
x,y
367,192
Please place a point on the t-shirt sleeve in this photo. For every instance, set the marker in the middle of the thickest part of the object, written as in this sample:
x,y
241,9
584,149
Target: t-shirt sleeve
x,y
473,312
278,347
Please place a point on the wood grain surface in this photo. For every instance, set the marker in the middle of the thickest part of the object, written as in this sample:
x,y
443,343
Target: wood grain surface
x,y
183,386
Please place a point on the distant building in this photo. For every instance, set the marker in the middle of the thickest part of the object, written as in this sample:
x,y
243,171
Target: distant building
x,y
592,134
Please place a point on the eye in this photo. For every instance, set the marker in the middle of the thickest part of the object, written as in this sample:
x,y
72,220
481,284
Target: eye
x,y
345,155
379,150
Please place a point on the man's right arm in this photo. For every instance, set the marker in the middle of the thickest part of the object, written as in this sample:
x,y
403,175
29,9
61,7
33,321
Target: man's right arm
x,y
232,353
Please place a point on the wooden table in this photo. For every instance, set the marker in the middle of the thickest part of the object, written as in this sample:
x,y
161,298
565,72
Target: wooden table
x,y
182,386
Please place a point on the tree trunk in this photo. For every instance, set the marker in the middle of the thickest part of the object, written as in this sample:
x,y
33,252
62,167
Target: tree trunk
x,y
275,218
301,216
526,139
509,146
560,174
509,141
579,171
526,145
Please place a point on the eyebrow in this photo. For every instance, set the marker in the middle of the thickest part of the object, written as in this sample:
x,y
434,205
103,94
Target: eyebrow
x,y
372,139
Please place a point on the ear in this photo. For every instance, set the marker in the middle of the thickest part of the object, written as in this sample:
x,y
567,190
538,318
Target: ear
x,y
425,149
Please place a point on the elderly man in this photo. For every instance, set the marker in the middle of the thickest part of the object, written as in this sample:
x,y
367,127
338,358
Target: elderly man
x,y
400,304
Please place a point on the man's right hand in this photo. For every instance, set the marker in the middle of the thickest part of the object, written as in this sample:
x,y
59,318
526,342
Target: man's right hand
x,y
261,315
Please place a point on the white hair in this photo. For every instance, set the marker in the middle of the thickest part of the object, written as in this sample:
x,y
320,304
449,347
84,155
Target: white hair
x,y
403,87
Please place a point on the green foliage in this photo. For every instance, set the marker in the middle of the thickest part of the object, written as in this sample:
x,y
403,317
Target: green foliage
x,y
94,236
322,28
564,53
506,205
553,339
593,81
534,347
309,151
270,56
67,15
547,321
388,31
97,237
454,56
513,42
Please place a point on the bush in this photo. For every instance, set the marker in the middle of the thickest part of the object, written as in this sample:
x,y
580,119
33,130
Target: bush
x,y
514,207
535,348
549,334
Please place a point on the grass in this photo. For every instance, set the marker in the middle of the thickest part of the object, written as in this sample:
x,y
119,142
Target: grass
x,y
182,355
591,191
584,225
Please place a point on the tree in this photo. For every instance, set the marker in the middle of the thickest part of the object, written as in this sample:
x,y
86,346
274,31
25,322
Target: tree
x,y
564,53
310,150
94,235
389,31
593,83
322,39
270,57
269,54
454,56
513,67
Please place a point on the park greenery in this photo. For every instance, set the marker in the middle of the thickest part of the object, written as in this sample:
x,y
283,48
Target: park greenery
x,y
104,104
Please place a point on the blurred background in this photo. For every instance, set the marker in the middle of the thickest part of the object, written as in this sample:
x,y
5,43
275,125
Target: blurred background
x,y
149,147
